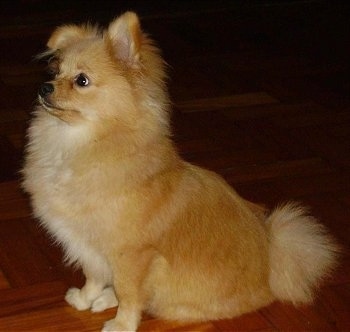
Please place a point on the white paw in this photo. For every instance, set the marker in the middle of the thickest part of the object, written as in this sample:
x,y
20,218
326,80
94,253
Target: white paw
x,y
106,300
74,298
113,325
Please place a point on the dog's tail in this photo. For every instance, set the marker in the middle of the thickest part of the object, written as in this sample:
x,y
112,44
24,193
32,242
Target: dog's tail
x,y
302,253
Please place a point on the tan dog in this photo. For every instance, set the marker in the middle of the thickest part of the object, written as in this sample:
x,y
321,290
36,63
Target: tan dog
x,y
159,234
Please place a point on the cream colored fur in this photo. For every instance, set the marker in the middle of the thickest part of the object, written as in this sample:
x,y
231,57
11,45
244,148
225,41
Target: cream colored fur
x,y
163,235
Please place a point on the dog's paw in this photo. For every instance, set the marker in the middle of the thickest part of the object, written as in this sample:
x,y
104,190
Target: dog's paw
x,y
106,300
113,325
76,300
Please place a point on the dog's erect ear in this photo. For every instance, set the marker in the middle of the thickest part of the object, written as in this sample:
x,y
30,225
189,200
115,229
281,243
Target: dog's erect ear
x,y
68,34
126,36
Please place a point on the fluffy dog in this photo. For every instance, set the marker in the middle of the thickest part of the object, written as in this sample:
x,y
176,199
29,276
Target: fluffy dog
x,y
147,228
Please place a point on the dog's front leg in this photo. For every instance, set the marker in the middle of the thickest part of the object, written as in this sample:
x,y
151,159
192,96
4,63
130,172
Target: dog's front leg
x,y
82,299
131,268
97,294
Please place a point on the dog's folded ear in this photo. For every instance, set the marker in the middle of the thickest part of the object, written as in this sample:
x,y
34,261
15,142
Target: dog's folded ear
x,y
68,34
126,37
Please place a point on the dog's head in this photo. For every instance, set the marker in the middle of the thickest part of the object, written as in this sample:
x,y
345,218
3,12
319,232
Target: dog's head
x,y
112,76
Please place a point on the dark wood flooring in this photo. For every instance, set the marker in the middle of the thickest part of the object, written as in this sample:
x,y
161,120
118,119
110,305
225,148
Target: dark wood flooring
x,y
261,95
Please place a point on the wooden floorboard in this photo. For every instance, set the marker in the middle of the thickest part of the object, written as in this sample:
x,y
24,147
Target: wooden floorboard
x,y
261,95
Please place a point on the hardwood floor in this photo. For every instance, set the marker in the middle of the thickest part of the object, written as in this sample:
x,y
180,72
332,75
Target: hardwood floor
x,y
261,95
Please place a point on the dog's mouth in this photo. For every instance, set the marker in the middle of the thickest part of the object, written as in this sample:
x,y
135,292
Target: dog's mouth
x,y
65,115
49,107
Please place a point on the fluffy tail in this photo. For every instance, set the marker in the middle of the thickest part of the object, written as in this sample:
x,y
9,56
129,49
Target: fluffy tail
x,y
302,253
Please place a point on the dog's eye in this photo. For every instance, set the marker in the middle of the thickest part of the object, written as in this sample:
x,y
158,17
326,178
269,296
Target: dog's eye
x,y
82,80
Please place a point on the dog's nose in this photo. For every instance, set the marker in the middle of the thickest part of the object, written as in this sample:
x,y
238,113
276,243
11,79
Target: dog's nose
x,y
45,89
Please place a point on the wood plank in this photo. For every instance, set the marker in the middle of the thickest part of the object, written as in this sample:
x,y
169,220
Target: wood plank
x,y
272,111
4,284
13,115
25,299
281,169
337,300
224,102
222,160
13,203
331,210
161,325
252,321
286,317
287,188
58,318
23,263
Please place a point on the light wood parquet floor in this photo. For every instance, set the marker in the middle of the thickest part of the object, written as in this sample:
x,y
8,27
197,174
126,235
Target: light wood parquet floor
x,y
261,95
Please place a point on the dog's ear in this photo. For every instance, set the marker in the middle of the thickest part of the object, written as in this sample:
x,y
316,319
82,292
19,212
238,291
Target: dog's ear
x,y
68,34
126,36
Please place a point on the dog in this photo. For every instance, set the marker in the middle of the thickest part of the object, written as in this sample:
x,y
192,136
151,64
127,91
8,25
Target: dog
x,y
151,232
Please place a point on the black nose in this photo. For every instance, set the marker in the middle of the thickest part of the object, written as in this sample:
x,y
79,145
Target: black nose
x,y
45,89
